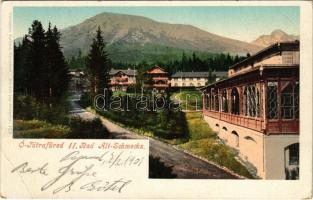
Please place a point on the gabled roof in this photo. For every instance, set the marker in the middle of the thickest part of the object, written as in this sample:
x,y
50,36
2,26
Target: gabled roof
x,y
157,67
128,72
198,74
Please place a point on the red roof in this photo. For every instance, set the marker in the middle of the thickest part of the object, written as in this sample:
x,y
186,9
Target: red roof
x,y
156,70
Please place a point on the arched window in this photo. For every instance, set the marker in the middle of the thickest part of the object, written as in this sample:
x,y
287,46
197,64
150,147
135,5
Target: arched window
x,y
206,100
250,101
234,101
211,101
292,161
258,100
224,102
235,134
216,102
250,138
272,100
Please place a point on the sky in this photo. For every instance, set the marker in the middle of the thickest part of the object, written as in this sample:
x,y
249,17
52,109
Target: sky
x,y
241,23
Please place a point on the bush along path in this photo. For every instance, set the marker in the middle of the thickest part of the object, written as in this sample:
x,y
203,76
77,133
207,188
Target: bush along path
x,y
166,161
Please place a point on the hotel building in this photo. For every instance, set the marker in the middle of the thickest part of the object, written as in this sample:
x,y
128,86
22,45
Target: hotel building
x,y
256,110
121,79
195,79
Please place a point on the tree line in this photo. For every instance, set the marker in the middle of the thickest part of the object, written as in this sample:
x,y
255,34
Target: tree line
x,y
193,62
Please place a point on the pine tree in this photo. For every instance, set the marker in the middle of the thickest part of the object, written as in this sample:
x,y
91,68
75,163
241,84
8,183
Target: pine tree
x,y
37,79
98,64
57,69
19,71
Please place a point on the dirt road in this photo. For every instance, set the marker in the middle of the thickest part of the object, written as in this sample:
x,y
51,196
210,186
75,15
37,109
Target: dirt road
x,y
183,165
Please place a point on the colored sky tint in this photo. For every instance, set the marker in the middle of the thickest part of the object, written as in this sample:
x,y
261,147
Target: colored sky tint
x,y
242,23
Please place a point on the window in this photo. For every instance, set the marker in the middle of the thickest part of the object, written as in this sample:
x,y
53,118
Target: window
x,y
296,100
250,138
235,101
206,100
224,102
272,105
292,161
294,154
258,106
211,101
236,136
216,101
251,101
289,100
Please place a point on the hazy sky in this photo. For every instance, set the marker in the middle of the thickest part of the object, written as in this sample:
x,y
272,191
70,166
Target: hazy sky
x,y
242,23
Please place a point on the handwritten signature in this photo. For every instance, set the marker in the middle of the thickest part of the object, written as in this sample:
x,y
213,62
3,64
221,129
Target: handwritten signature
x,y
77,168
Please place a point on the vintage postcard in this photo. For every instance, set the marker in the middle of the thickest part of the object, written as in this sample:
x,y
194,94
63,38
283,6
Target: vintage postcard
x,y
156,99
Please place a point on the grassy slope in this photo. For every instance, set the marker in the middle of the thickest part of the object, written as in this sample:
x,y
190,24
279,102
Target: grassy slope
x,y
38,129
190,99
205,143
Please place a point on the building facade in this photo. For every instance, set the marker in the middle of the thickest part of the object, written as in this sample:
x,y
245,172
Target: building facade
x,y
157,78
122,79
195,79
256,110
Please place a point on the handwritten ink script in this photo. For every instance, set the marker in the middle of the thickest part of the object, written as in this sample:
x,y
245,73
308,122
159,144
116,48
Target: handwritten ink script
x,y
85,170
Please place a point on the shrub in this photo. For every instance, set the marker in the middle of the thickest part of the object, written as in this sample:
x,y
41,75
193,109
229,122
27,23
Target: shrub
x,y
27,108
88,129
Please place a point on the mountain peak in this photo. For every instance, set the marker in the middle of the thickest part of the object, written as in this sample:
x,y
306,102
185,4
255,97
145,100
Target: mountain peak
x,y
278,32
130,35
275,36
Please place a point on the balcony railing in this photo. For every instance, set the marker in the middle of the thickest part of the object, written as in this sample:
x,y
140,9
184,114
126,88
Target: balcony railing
x,y
121,83
121,79
157,85
257,124
251,123
160,78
